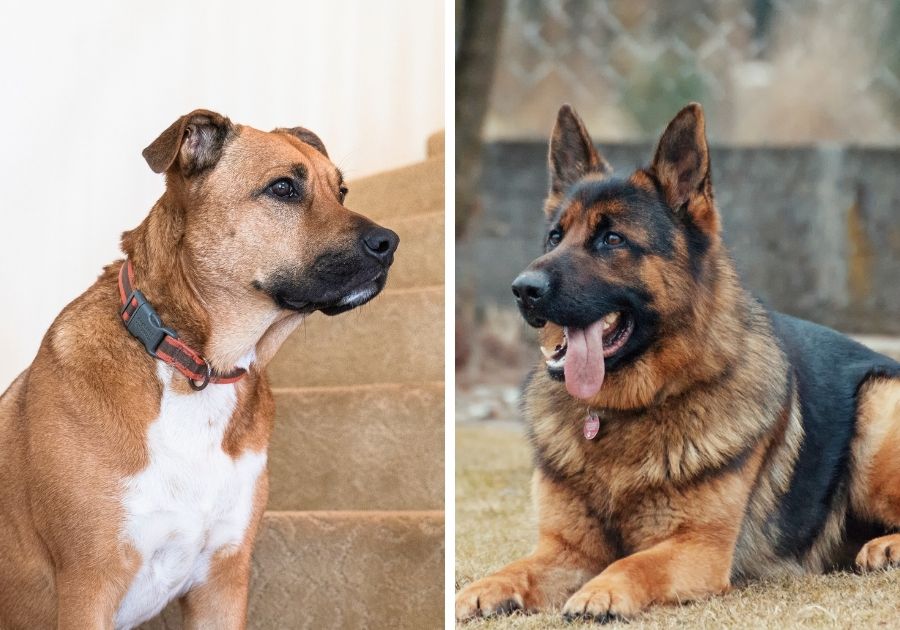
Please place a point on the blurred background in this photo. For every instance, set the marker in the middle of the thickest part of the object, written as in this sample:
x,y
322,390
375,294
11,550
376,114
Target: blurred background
x,y
802,99
87,85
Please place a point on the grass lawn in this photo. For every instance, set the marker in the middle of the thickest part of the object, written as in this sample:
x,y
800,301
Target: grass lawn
x,y
495,524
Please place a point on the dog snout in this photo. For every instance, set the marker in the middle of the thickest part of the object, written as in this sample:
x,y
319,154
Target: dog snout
x,y
530,288
381,243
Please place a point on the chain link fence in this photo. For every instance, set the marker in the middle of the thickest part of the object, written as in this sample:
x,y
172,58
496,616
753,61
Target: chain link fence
x,y
766,71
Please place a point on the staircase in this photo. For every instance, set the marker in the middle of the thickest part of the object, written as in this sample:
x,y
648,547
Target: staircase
x,y
354,532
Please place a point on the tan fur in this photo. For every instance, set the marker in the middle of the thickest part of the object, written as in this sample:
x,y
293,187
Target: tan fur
x,y
875,490
74,424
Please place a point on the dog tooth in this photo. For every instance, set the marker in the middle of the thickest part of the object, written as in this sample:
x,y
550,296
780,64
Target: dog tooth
x,y
556,363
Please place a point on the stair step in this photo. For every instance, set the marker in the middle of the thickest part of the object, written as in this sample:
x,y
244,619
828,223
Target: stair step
x,y
323,570
398,338
420,257
365,447
405,191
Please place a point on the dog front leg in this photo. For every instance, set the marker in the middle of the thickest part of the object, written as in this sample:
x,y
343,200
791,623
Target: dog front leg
x,y
87,601
220,603
541,580
682,568
571,549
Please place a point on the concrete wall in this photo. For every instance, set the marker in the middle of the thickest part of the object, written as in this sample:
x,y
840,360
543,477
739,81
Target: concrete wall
x,y
815,231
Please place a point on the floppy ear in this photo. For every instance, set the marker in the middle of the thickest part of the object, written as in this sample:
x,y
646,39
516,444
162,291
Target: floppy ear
x,y
572,154
681,166
194,141
305,135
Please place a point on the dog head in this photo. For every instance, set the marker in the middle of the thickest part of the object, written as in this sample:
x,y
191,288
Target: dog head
x,y
623,257
265,212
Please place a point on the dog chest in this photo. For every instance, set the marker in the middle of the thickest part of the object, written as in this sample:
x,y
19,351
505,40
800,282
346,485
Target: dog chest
x,y
191,501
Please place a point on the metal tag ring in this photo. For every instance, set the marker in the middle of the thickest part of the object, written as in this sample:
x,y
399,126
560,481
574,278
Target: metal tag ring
x,y
205,380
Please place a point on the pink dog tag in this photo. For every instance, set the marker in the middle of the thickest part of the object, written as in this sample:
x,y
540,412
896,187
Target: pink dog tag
x,y
591,426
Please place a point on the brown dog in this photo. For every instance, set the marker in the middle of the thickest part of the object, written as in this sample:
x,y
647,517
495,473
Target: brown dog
x,y
686,438
128,480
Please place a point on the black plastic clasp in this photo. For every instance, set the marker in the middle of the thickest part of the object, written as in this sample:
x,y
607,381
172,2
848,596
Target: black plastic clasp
x,y
144,323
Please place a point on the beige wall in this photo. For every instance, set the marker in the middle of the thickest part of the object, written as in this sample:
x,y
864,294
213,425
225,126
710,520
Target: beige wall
x,y
87,85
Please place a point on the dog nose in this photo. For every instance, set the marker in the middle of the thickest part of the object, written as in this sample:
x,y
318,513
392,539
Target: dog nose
x,y
381,243
531,287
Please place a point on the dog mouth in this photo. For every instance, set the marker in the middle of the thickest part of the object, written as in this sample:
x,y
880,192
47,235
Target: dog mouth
x,y
357,296
347,300
580,359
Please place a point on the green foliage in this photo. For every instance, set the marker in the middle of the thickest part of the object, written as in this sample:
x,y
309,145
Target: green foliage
x,y
659,88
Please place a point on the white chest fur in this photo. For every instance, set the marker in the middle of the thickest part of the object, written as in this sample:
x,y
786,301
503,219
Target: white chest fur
x,y
191,501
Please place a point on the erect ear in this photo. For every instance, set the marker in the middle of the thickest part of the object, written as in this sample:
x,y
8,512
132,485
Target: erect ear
x,y
194,142
572,154
681,166
305,135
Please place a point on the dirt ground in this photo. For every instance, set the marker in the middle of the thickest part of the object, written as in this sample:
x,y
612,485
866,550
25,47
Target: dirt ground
x,y
494,525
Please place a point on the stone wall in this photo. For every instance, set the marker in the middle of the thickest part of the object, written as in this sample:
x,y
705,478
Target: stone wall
x,y
814,230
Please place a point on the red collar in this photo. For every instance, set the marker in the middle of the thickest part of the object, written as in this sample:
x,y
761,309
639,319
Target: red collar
x,y
163,343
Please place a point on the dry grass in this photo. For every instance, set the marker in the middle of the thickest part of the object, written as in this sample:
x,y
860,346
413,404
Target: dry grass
x,y
494,524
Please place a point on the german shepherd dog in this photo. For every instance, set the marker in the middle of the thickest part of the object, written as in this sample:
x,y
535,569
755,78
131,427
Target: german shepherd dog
x,y
685,437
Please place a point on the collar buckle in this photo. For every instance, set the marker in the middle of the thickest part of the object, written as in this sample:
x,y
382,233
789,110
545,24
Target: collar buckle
x,y
144,322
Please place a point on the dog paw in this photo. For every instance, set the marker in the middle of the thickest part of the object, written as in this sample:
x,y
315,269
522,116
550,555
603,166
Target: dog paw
x,y
603,599
879,553
493,595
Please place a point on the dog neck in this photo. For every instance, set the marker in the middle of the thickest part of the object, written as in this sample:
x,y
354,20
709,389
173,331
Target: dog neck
x,y
226,329
713,332
709,337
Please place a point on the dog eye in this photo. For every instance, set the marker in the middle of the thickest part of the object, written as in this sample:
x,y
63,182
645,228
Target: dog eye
x,y
612,239
342,193
283,189
555,237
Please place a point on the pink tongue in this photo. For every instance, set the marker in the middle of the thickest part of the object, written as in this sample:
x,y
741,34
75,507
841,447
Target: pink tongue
x,y
584,367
